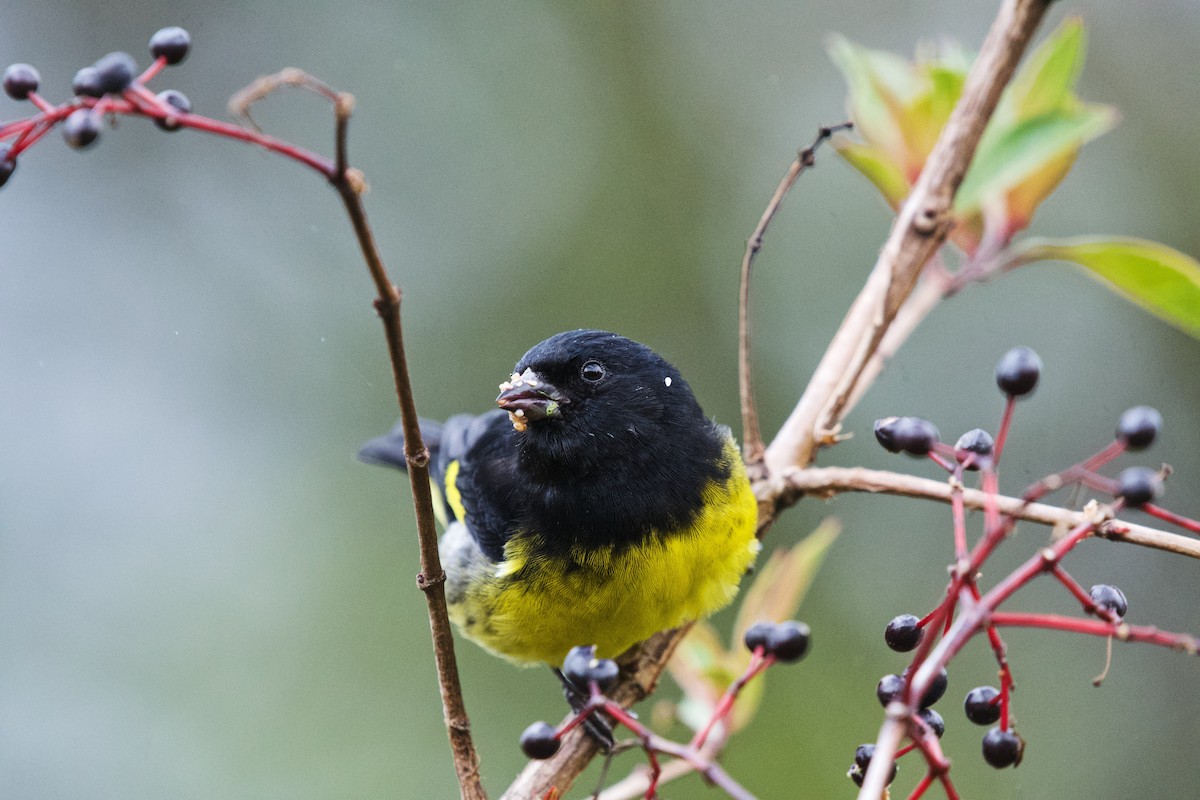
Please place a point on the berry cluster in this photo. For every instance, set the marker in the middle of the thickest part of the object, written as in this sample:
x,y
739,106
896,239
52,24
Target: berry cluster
x,y
112,86
109,86
768,642
966,610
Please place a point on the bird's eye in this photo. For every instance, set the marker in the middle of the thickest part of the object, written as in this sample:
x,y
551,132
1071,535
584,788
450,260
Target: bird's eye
x,y
592,372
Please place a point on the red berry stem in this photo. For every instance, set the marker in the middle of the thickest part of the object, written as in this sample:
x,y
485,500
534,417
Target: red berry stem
x,y
1149,634
1106,455
959,513
1002,432
1186,523
151,71
923,786
758,663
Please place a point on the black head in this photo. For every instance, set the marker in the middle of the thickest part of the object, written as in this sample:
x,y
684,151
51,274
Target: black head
x,y
588,398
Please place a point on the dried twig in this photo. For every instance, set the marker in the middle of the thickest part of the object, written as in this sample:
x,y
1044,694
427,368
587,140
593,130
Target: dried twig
x,y
752,441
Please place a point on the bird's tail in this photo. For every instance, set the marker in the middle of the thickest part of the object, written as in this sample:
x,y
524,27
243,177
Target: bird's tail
x,y
388,450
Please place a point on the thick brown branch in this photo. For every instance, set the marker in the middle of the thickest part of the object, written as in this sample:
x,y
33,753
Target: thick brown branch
x,y
919,230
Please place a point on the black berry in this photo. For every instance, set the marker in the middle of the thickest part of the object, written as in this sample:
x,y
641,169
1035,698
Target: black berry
x,y
756,635
177,100
911,435
1138,426
539,740
902,633
1018,371
788,641
582,668
115,72
1110,598
81,127
7,165
889,688
974,449
1002,748
937,687
981,705
934,720
20,81
87,83
1138,486
171,44
862,760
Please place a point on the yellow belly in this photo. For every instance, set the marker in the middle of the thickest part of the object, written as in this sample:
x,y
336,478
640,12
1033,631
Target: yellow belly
x,y
531,609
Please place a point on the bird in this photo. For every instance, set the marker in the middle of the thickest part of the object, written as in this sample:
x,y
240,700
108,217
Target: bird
x,y
597,505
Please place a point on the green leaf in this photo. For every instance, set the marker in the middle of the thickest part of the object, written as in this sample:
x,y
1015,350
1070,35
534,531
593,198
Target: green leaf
x,y
1046,80
1158,278
878,82
1007,160
877,167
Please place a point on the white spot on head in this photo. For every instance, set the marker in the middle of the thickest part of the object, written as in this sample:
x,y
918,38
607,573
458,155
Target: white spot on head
x,y
668,380
520,412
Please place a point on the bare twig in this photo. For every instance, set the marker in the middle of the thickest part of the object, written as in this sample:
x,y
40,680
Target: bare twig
x,y
828,481
919,230
752,441
431,579
351,186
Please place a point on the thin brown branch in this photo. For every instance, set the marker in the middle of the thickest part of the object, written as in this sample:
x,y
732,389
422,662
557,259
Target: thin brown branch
x,y
919,230
431,579
828,481
752,441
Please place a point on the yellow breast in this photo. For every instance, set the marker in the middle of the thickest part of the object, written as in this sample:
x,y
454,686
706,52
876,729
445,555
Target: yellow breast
x,y
531,608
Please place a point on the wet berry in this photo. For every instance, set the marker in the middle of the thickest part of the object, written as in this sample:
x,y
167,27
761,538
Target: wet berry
x,y
911,435
539,740
937,687
7,165
1002,748
1110,598
1138,486
788,641
171,44
934,720
756,635
87,83
1138,426
20,81
889,688
177,100
115,72
981,705
81,127
582,668
862,760
974,449
902,633
1018,371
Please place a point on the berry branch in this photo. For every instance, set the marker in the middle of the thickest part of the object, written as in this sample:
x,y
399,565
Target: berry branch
x,y
112,87
965,611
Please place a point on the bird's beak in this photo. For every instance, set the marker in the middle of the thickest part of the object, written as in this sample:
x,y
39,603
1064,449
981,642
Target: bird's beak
x,y
527,398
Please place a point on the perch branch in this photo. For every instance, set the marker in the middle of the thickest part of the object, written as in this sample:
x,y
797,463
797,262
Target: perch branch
x,y
828,481
920,229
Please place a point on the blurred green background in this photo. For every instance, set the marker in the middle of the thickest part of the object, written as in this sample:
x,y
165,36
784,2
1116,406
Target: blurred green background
x,y
203,594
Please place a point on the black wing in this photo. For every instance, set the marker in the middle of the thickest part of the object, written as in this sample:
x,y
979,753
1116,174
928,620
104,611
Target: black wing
x,y
487,479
